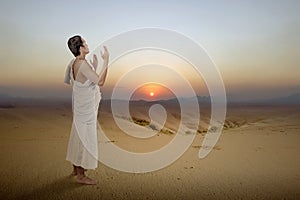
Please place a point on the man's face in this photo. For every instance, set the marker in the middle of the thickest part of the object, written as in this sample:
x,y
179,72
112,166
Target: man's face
x,y
85,48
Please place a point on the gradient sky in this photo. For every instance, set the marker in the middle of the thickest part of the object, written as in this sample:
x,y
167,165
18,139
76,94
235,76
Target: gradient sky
x,y
255,44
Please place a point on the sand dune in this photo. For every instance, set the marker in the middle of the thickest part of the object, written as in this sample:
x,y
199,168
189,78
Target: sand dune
x,y
257,156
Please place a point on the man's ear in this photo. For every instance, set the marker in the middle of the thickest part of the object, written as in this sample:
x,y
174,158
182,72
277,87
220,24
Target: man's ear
x,y
80,49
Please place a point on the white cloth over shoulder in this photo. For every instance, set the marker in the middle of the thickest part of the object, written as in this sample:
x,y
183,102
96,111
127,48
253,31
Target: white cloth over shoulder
x,y
83,145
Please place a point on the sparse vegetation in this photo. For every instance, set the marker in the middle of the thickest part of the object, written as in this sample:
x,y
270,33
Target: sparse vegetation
x,y
189,132
140,122
167,131
202,131
233,124
198,147
153,127
143,122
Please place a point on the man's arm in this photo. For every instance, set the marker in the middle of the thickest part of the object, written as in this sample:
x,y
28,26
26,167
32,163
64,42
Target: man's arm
x,y
105,57
103,73
91,74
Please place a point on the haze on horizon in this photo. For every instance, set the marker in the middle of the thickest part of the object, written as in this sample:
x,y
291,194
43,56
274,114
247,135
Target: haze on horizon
x,y
255,44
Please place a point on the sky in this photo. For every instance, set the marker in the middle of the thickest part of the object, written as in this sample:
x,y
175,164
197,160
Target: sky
x,y
254,44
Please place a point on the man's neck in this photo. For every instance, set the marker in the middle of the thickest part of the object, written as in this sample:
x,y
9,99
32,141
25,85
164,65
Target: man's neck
x,y
81,57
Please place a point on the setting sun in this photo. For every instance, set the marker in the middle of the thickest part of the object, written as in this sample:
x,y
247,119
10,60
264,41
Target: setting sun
x,y
152,92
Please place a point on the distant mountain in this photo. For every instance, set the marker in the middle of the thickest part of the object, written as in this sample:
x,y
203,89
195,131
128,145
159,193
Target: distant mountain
x,y
7,101
11,101
5,97
293,99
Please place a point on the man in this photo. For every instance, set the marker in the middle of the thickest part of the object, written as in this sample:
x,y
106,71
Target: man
x,y
83,146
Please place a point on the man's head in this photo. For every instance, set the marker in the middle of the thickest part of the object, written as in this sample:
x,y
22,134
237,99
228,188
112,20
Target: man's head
x,y
77,45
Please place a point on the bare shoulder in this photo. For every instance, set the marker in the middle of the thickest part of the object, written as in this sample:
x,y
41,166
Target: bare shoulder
x,y
79,64
85,66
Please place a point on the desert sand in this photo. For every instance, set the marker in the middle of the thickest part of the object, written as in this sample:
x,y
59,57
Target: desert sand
x,y
256,157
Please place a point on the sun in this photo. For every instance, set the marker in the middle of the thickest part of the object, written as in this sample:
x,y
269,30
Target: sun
x,y
151,94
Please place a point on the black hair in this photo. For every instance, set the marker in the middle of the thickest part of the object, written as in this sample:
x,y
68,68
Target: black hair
x,y
74,44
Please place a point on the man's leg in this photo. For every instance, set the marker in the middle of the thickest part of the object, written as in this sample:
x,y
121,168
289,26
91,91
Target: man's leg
x,y
74,173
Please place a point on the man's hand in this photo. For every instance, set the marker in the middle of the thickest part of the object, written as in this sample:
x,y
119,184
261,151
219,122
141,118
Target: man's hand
x,y
104,54
94,62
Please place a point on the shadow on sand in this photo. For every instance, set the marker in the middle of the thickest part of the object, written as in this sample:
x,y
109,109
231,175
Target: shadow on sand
x,y
52,190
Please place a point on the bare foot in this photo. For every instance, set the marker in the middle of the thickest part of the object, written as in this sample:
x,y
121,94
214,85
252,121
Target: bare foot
x,y
86,180
74,173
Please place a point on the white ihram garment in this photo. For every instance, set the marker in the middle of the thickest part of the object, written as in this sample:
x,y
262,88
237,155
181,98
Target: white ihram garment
x,y
83,146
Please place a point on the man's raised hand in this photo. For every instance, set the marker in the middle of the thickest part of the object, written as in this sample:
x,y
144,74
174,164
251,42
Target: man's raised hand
x,y
95,61
104,54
